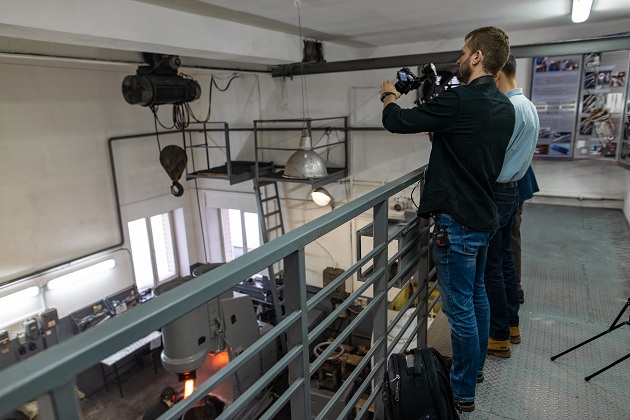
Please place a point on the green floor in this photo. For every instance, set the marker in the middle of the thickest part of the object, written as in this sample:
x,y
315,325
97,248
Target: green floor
x,y
576,277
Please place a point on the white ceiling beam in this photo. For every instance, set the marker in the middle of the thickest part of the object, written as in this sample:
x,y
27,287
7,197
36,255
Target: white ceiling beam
x,y
136,26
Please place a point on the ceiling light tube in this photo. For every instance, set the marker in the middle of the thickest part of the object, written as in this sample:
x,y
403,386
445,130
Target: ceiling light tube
x,y
81,274
581,10
29,292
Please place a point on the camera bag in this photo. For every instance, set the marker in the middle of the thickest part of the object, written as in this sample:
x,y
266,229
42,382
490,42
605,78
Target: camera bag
x,y
417,386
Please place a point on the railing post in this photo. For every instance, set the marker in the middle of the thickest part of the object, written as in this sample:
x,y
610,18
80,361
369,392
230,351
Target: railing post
x,y
422,280
60,404
380,289
297,335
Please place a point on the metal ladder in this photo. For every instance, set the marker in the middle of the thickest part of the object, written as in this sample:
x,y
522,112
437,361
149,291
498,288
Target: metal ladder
x,y
272,226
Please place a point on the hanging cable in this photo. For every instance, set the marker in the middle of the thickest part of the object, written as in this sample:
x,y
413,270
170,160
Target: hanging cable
x,y
213,82
332,256
304,91
203,236
154,109
183,113
181,117
157,135
327,132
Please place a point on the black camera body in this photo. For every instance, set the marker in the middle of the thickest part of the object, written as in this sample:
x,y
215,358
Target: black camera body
x,y
407,81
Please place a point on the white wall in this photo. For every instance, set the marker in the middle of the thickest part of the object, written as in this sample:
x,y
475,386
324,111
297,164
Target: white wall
x,y
582,180
59,202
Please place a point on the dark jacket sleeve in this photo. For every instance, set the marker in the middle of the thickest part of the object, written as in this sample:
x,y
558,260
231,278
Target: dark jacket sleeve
x,y
437,115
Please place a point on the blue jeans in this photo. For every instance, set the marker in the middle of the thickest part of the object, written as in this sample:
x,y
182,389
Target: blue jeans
x,y
459,266
500,274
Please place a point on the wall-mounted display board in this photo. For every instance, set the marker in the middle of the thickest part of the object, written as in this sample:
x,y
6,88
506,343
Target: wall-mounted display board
x,y
600,126
583,104
624,154
555,91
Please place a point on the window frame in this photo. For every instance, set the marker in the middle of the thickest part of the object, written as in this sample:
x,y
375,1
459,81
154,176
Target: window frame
x,y
173,245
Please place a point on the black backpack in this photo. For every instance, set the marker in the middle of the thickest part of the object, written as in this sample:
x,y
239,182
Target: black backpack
x,y
417,386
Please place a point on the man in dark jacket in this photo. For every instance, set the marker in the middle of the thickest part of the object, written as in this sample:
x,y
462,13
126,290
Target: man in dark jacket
x,y
471,125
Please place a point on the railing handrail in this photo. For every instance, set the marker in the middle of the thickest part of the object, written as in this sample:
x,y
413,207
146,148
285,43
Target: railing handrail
x,y
59,365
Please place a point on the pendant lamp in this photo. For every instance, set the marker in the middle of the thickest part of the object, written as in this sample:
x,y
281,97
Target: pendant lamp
x,y
305,163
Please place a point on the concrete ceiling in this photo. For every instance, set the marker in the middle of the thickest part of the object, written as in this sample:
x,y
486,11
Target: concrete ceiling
x,y
378,23
257,34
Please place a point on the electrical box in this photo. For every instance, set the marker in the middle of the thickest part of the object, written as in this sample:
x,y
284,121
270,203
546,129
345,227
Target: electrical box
x,y
4,342
49,320
331,274
31,329
30,341
7,352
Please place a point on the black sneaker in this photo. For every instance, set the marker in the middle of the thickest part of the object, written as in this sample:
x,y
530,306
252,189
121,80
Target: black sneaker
x,y
466,406
480,378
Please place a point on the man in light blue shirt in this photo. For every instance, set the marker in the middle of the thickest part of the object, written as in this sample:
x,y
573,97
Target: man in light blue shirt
x,y
500,274
520,150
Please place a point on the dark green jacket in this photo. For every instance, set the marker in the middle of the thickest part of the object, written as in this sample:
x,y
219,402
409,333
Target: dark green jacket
x,y
472,125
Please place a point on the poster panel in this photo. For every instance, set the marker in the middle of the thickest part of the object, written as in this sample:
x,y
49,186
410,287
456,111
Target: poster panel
x,y
601,122
555,91
624,153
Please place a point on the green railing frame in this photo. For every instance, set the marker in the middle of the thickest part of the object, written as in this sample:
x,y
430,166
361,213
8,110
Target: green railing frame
x,y
49,376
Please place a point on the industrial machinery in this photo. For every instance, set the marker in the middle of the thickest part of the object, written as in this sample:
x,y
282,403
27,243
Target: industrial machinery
x,y
201,342
159,82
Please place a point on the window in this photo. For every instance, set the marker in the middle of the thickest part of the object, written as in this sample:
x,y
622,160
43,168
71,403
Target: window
x,y
20,305
153,250
240,232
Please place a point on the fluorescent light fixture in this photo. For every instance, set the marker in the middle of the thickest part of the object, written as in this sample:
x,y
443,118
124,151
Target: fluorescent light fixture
x,y
22,295
322,197
581,10
81,274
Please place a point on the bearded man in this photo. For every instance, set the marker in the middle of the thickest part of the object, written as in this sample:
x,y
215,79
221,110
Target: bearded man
x,y
471,125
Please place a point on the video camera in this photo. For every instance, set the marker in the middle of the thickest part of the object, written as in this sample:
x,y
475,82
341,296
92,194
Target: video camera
x,y
408,81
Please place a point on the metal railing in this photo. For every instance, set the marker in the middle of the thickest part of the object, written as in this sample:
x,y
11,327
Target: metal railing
x,y
49,377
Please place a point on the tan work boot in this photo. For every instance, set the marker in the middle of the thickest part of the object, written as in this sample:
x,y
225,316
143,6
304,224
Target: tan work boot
x,y
515,335
499,348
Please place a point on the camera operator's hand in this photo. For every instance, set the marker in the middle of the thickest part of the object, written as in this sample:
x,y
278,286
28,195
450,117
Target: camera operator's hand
x,y
388,92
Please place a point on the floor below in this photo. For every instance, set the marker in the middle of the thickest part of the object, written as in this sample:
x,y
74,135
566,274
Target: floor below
x,y
576,277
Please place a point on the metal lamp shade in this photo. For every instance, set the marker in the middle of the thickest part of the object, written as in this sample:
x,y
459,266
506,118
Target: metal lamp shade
x,y
305,163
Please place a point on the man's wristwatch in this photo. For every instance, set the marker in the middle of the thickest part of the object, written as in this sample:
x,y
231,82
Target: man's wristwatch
x,y
386,94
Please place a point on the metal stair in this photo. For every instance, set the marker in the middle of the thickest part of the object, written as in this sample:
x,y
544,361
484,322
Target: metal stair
x,y
272,226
